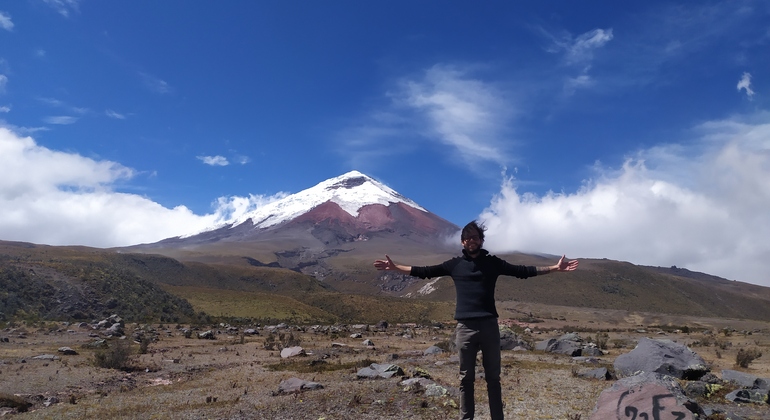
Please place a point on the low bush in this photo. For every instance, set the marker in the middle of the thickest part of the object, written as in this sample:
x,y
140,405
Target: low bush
x,y
746,356
116,356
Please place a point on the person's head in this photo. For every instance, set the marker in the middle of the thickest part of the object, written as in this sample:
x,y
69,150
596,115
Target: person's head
x,y
472,237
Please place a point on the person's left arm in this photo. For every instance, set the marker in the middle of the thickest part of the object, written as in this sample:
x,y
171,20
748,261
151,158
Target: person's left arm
x,y
525,271
562,265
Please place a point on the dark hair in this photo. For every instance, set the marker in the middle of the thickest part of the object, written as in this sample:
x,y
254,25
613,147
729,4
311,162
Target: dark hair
x,y
471,229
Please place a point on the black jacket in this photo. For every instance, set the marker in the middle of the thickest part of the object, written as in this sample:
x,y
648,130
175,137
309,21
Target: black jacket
x,y
475,280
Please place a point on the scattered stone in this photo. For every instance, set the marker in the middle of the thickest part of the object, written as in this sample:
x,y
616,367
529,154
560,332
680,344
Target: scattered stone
x,y
368,343
435,390
661,356
413,384
50,401
752,396
432,350
250,331
356,335
419,372
296,385
292,352
376,370
647,395
207,335
67,351
598,373
46,357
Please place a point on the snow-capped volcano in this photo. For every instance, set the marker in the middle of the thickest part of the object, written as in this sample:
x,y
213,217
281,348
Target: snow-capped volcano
x,y
351,192
346,208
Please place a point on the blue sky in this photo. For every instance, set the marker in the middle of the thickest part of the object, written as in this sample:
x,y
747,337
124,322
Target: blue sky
x,y
639,133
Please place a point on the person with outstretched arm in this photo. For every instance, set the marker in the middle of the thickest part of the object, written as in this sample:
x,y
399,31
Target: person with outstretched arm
x,y
475,274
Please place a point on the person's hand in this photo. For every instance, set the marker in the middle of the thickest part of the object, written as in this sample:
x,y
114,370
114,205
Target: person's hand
x,y
564,265
386,264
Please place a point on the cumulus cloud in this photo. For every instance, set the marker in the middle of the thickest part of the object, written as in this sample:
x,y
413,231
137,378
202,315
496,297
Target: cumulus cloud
x,y
702,207
444,104
5,21
5,109
57,198
214,160
745,84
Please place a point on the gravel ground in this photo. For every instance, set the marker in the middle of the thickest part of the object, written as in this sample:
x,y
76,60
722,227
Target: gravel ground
x,y
183,378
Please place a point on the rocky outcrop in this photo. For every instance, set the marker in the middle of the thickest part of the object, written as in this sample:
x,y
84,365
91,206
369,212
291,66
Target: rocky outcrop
x,y
661,356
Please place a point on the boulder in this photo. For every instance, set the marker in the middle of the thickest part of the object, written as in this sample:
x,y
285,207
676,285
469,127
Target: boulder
x,y
376,370
432,350
292,352
648,395
509,340
745,380
661,356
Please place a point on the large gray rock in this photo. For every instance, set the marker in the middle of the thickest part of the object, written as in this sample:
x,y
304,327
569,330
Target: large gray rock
x,y
645,396
568,344
661,356
432,350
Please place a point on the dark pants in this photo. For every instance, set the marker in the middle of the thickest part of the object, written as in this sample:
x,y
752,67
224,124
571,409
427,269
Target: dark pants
x,y
474,335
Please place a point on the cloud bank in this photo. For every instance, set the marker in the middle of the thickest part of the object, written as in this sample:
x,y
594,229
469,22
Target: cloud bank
x,y
57,198
703,207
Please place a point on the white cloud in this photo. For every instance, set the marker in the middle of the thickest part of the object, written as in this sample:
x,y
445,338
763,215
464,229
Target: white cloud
x,y
64,7
61,120
112,114
5,21
3,82
745,84
5,108
214,160
443,105
59,198
702,207
155,84
581,49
